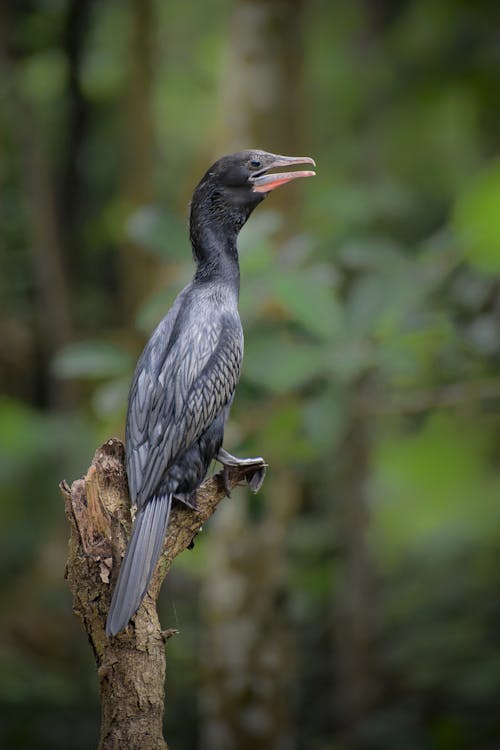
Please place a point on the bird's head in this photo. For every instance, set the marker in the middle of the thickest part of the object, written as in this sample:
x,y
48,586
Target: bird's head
x,y
237,183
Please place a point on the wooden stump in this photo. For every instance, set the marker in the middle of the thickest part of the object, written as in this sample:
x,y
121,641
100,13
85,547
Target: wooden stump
x,y
131,665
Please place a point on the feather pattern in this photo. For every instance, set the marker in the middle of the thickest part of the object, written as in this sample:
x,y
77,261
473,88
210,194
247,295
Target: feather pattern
x,y
175,399
143,551
178,404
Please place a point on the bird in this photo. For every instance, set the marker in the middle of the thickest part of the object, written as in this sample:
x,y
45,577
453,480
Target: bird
x,y
186,376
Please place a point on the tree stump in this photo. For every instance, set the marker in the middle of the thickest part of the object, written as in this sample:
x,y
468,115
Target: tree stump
x,y
131,665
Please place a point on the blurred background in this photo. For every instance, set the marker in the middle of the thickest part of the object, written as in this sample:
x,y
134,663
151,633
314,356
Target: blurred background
x,y
354,603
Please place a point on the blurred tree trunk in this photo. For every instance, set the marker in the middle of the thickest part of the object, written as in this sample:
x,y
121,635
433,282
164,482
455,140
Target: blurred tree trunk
x,y
139,267
354,599
248,662
355,607
77,117
261,96
52,313
53,310
247,652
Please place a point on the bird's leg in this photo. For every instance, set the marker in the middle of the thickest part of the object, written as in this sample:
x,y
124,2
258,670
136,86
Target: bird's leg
x,y
255,469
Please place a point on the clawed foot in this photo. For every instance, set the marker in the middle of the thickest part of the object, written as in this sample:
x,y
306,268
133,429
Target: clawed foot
x,y
188,498
255,469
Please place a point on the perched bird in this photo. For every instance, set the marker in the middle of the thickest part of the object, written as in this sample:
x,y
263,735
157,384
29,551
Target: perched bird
x,y
185,379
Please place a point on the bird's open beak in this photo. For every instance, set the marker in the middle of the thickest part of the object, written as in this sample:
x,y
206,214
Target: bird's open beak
x,y
263,182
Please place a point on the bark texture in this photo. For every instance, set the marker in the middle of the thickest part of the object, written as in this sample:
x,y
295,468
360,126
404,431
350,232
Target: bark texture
x,y
131,666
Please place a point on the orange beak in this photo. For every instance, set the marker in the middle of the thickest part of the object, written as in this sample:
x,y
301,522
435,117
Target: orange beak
x,y
263,182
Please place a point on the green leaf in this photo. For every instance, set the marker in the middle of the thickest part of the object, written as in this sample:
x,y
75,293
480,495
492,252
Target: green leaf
x,y
433,484
476,220
324,418
283,438
254,244
159,231
91,359
19,434
259,231
43,76
280,364
310,301
110,398
351,357
381,300
370,253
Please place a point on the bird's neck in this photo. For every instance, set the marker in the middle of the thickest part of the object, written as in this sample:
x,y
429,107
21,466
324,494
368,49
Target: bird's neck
x,y
216,255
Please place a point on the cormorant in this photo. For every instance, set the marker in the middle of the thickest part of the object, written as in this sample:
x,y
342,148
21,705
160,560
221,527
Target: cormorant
x,y
185,379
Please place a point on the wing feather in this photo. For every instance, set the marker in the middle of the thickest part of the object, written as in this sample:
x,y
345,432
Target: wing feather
x,y
175,399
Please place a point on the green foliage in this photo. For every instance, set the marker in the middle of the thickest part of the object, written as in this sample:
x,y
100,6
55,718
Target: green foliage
x,y
450,492
36,451
383,314
159,231
91,359
309,301
477,220
43,77
104,68
281,364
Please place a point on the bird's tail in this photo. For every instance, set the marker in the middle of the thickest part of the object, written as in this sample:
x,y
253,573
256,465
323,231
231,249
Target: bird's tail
x,y
144,549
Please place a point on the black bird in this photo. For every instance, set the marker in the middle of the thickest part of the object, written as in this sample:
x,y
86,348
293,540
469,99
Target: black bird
x,y
185,379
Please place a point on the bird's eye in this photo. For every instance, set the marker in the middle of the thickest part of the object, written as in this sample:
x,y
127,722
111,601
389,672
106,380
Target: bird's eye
x,y
255,163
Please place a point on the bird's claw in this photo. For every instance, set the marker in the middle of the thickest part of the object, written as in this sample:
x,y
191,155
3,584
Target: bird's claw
x,y
225,480
188,498
256,478
255,470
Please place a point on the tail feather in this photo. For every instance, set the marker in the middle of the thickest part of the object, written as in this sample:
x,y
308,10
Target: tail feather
x,y
144,549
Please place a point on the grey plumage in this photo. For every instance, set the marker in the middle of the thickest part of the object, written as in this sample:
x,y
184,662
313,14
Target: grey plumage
x,y
143,551
178,391
185,379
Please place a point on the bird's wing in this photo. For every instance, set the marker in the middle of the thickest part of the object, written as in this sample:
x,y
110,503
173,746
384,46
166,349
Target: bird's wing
x,y
177,392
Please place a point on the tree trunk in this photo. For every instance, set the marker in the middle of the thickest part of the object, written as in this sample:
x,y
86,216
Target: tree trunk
x,y
76,27
131,666
247,655
140,268
248,666
261,89
52,308
354,600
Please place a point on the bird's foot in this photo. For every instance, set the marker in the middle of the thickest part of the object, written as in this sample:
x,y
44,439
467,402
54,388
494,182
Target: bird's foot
x,y
255,469
188,498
